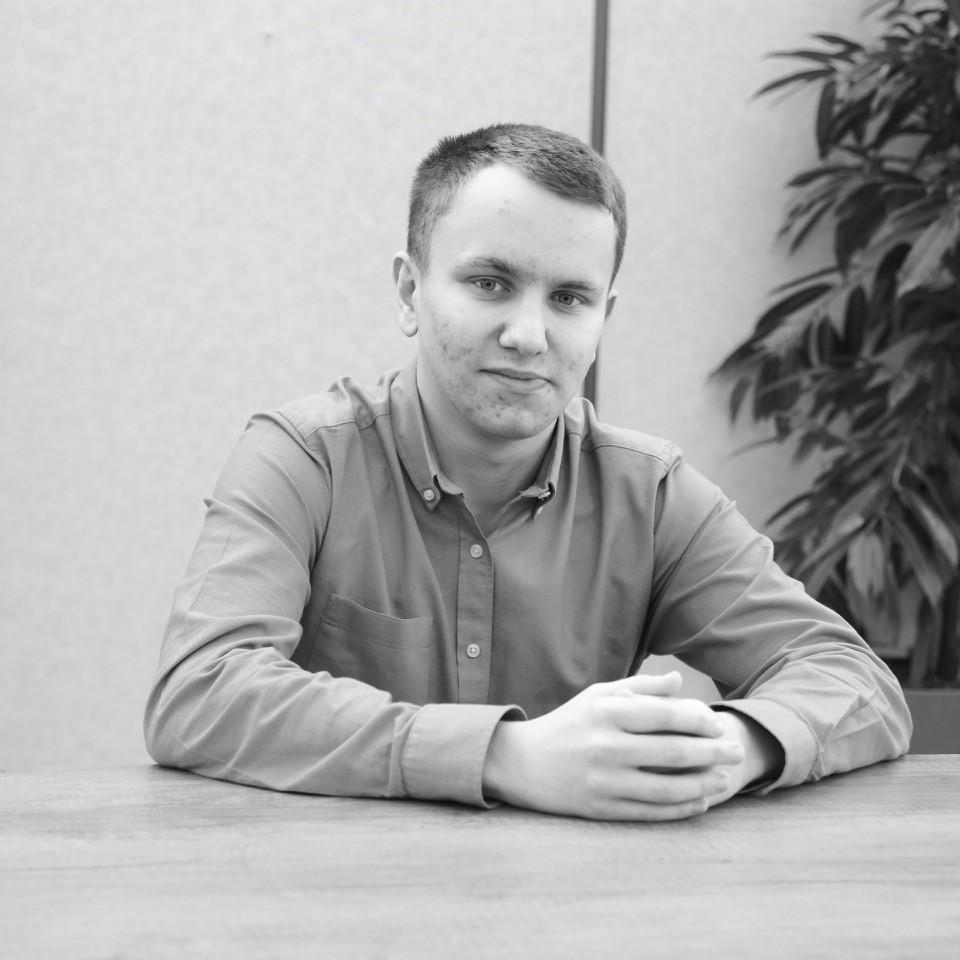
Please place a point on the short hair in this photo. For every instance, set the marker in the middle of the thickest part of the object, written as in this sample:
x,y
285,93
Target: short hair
x,y
557,161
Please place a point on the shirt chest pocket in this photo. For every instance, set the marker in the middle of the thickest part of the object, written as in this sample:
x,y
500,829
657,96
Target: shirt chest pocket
x,y
389,653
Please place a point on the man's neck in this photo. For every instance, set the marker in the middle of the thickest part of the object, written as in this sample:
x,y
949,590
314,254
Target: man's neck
x,y
490,471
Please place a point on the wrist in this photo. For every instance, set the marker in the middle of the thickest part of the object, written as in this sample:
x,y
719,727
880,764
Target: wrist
x,y
763,757
495,777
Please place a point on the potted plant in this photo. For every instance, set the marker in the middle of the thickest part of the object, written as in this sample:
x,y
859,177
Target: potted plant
x,y
858,364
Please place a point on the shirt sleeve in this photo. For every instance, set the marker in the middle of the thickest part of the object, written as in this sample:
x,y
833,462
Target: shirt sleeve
x,y
722,605
229,702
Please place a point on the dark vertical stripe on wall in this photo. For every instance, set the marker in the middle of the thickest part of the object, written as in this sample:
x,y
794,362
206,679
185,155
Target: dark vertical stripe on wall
x,y
598,113
598,110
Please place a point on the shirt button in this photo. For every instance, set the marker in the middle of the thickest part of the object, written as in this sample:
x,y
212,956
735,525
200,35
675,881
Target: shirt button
x,y
473,651
429,495
476,551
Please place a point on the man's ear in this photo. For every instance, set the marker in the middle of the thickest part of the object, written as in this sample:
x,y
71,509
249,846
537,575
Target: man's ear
x,y
611,301
406,277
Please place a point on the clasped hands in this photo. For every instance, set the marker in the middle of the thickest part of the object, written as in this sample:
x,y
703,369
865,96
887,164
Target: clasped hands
x,y
626,750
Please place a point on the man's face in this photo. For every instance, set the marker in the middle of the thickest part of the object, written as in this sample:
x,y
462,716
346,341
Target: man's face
x,y
510,307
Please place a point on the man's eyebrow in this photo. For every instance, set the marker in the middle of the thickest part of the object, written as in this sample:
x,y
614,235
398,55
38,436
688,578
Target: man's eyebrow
x,y
499,265
496,264
583,286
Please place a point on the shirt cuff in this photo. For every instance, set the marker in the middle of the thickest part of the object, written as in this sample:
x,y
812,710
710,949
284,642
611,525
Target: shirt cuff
x,y
800,748
446,749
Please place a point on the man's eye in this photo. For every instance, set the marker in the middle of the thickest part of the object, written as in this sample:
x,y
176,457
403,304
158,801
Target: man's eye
x,y
568,299
489,285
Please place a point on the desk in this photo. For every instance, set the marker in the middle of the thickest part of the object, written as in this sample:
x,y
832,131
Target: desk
x,y
141,862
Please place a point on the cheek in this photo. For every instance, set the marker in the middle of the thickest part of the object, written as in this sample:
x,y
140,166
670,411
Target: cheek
x,y
449,342
579,353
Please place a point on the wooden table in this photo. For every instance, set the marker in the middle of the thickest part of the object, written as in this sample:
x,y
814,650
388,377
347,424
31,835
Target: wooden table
x,y
141,862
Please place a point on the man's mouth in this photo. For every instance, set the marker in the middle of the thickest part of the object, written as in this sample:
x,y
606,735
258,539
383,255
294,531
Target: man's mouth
x,y
529,377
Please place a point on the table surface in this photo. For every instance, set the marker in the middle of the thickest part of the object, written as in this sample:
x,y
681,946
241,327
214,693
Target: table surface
x,y
143,862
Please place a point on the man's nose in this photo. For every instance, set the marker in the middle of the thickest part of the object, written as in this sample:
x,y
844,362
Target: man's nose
x,y
526,329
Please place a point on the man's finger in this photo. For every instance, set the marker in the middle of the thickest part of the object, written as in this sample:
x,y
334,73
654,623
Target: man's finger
x,y
620,809
670,789
660,714
673,752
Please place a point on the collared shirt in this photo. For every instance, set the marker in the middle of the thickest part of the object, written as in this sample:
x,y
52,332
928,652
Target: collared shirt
x,y
346,627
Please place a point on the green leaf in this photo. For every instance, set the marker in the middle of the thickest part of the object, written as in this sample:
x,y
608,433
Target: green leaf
x,y
920,564
907,221
765,401
740,390
802,77
902,351
925,259
901,387
806,177
828,553
742,356
920,658
839,41
895,123
789,506
801,233
824,121
939,532
855,321
815,575
858,509
818,56
808,443
862,212
816,275
755,445
784,308
866,560
850,120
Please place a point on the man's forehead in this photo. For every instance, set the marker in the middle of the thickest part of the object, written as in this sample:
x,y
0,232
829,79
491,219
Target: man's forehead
x,y
497,178
504,217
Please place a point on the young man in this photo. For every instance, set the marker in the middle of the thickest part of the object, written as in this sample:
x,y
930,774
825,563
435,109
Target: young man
x,y
442,586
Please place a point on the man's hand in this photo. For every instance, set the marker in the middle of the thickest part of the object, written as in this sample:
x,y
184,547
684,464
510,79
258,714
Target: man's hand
x,y
626,750
763,755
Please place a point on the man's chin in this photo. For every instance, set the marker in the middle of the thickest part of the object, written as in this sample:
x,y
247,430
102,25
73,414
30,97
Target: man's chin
x,y
519,427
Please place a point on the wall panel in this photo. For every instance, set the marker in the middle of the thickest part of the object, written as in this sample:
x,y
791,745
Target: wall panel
x,y
201,201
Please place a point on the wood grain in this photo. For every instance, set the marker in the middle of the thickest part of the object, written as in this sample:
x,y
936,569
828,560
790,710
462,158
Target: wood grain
x,y
141,862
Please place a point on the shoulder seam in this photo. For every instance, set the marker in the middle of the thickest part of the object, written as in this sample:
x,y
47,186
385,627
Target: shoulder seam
x,y
663,456
348,421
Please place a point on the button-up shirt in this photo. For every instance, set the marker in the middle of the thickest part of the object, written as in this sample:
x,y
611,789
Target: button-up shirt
x,y
346,627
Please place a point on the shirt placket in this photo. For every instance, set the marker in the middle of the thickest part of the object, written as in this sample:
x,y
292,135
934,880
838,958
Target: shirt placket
x,y
474,615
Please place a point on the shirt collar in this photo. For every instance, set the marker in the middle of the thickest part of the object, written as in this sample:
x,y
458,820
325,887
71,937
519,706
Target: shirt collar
x,y
413,440
419,456
545,485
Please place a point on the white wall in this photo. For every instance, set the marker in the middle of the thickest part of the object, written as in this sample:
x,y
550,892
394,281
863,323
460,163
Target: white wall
x,y
705,166
200,202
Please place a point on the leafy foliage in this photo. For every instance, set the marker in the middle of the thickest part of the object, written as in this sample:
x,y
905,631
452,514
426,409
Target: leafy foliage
x,y
859,362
